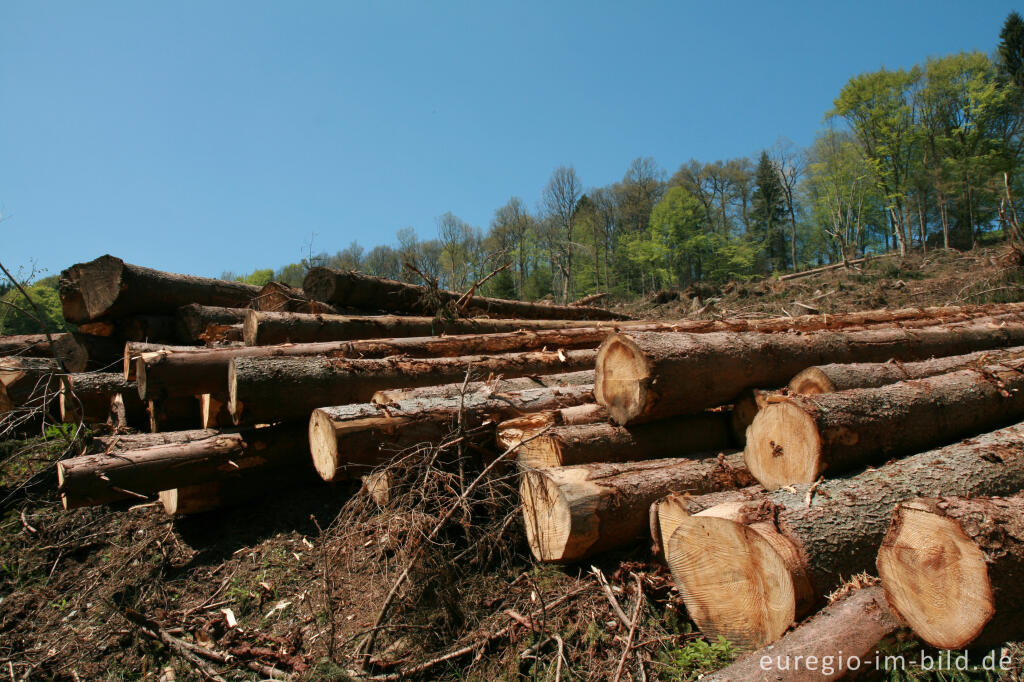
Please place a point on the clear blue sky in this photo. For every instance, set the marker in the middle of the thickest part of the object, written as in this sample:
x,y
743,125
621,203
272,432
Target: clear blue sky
x,y
202,136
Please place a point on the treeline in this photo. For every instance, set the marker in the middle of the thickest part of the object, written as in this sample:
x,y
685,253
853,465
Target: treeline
x,y
920,158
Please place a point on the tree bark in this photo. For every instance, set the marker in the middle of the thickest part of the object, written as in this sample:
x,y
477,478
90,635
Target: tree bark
x,y
747,571
109,288
93,393
91,480
133,349
840,377
575,512
173,414
28,345
568,445
498,385
843,637
951,569
514,431
136,441
643,376
348,440
279,297
193,320
804,437
85,352
274,389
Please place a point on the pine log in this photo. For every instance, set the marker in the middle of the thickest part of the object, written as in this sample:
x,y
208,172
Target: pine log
x,y
213,410
748,571
273,389
365,292
496,385
93,393
642,376
110,288
193,320
279,297
28,345
568,445
136,441
575,512
128,411
951,568
841,639
843,377
173,414
804,437
348,440
98,479
85,352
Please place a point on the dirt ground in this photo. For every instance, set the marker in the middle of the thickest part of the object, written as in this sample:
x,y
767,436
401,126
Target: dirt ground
x,y
292,583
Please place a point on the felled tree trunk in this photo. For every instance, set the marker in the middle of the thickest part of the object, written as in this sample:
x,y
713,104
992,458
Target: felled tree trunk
x,y
279,297
747,571
194,320
110,288
394,395
85,352
98,479
253,485
28,345
93,393
173,414
643,376
135,441
746,406
843,377
844,637
29,381
365,292
951,568
134,349
575,512
519,430
349,440
804,437
272,389
567,445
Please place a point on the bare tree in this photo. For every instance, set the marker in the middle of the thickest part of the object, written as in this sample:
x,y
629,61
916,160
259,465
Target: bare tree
x,y
790,164
559,200
511,225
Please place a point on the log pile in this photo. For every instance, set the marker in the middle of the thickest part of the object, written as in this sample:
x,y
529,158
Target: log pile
x,y
766,460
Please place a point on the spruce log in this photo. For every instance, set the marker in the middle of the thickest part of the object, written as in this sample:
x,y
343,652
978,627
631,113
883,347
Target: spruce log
x,y
110,288
93,393
347,440
136,441
85,352
575,512
365,292
28,345
279,297
803,437
273,389
666,512
223,335
173,414
193,320
748,571
642,376
951,568
134,349
568,445
498,385
842,638
98,479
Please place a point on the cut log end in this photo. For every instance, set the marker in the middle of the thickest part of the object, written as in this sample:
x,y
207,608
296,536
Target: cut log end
x,y
733,581
323,445
783,446
549,530
935,577
621,379
811,381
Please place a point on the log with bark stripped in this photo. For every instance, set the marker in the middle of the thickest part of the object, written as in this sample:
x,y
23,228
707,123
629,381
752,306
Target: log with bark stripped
x,y
747,571
93,393
567,445
348,440
642,376
575,512
844,637
951,568
273,389
495,385
804,437
110,288
194,320
843,377
365,292
98,479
